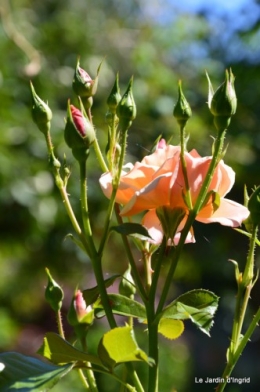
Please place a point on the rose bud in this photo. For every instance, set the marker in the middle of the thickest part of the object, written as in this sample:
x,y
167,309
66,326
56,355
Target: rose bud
x,y
126,109
79,312
79,133
223,102
254,206
127,286
41,113
83,85
182,111
53,293
114,97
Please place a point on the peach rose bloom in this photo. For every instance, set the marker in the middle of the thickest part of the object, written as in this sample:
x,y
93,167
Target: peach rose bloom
x,y
158,181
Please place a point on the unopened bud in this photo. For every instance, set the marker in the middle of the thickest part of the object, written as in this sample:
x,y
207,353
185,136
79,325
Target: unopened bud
x,y
223,102
83,85
126,109
254,207
182,111
79,312
114,97
127,286
53,293
79,133
41,113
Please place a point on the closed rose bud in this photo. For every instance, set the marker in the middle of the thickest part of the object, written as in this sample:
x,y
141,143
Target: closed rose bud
x,y
41,113
223,102
127,286
114,97
126,109
254,207
79,313
53,293
79,133
83,85
182,111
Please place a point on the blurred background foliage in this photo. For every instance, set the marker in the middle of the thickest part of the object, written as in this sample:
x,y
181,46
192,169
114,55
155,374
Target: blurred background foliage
x,y
159,42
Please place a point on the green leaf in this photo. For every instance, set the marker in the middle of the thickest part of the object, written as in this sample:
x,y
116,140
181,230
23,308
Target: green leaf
x,y
76,241
91,295
134,229
119,345
197,305
170,329
122,306
24,374
59,351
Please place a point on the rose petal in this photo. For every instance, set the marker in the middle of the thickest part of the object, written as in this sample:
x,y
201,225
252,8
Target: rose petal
x,y
229,213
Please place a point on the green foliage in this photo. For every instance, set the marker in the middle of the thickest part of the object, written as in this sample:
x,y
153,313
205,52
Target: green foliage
x,y
197,305
122,306
23,373
59,351
119,345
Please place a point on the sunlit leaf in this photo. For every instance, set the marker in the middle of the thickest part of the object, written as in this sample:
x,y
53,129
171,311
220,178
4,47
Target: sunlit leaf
x,y
170,328
122,306
59,351
23,373
119,345
197,305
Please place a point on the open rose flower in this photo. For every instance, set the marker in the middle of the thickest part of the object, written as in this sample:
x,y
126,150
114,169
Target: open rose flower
x,y
158,181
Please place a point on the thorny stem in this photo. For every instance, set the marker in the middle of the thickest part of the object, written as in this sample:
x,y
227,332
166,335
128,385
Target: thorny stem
x,y
192,216
59,324
184,167
238,341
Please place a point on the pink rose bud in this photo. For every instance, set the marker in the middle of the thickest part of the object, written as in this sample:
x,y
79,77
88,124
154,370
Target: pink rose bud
x,y
80,305
79,312
83,85
79,133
